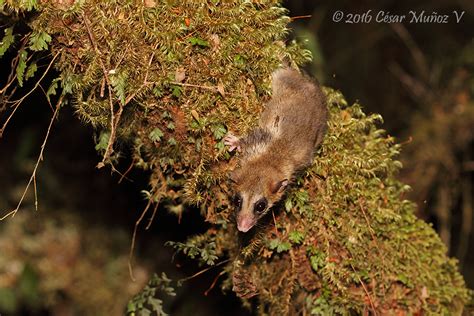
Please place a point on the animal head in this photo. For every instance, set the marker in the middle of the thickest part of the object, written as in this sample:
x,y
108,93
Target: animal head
x,y
257,188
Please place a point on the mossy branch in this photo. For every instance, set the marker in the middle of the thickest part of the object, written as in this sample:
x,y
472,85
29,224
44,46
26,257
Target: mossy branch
x,y
344,241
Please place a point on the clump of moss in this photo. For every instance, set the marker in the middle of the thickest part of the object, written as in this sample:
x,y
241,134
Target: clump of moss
x,y
169,79
346,237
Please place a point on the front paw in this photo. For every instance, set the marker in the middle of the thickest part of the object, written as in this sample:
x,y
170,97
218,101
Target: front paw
x,y
232,141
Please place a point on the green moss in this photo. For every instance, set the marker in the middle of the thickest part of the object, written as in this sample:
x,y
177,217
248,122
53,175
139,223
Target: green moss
x,y
363,247
171,79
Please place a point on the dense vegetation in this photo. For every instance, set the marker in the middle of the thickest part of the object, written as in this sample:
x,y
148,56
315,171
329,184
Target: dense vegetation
x,y
163,83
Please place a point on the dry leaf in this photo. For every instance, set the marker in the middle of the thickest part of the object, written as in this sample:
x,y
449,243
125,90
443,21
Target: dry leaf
x,y
424,293
243,285
149,3
215,41
179,74
195,115
220,88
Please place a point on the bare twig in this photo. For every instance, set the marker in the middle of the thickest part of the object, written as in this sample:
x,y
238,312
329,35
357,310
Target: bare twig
x,y
212,88
36,193
18,102
40,158
300,17
408,141
274,222
214,282
12,76
152,216
47,99
115,117
365,290
153,197
124,175
203,270
134,236
145,80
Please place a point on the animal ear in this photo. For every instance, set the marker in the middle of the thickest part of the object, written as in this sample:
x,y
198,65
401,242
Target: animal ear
x,y
280,186
234,176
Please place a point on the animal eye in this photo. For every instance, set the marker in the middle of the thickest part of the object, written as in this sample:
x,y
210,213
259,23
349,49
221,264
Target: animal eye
x,y
237,200
260,206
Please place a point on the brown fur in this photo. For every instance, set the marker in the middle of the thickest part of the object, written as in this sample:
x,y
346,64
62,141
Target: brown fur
x,y
291,127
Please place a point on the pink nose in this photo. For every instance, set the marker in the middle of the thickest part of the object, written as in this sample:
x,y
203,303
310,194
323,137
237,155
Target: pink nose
x,y
244,224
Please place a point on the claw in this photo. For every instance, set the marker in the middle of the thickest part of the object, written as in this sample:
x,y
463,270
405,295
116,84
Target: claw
x,y
232,141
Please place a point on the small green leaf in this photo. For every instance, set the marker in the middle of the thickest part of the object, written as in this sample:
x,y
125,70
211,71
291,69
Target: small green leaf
x,y
7,40
52,88
170,126
156,304
30,72
405,280
219,131
220,146
196,41
198,247
119,83
172,141
176,91
158,92
279,246
273,243
20,68
131,307
302,196
239,60
39,41
145,302
317,259
288,204
296,237
103,141
155,135
284,246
